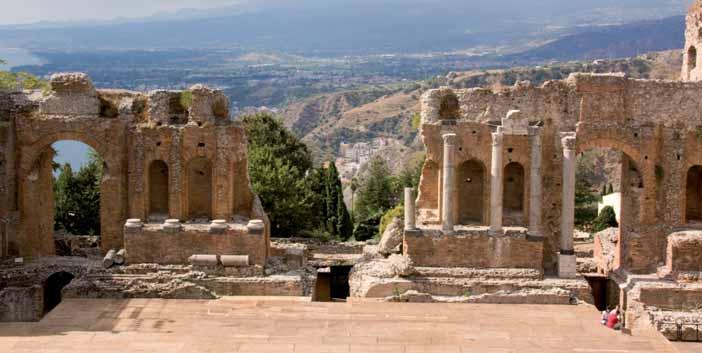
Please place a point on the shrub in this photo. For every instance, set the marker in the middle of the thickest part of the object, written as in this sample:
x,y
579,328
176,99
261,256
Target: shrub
x,y
606,219
397,212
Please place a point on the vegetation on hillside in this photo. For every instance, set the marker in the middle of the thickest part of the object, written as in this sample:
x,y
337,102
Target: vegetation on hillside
x,y
11,81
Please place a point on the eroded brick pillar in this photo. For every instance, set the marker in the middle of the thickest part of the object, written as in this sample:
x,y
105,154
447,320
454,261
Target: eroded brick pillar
x,y
447,224
566,259
496,185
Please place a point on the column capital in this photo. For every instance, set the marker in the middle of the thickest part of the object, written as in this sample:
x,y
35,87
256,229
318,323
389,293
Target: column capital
x,y
497,138
534,131
449,138
568,140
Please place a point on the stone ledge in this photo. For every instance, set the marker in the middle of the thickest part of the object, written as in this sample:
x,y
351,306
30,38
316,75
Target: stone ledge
x,y
467,247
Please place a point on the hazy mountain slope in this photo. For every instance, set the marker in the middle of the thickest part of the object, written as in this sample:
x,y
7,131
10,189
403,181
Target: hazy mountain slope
x,y
390,116
352,26
611,42
305,115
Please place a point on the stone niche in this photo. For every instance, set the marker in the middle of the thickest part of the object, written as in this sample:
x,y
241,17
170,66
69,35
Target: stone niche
x,y
474,247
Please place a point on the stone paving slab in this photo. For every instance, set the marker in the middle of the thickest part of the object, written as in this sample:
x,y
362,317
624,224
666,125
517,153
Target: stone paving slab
x,y
273,325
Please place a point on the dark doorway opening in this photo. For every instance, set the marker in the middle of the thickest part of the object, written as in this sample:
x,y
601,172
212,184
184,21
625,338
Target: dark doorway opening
x,y
605,292
332,284
52,289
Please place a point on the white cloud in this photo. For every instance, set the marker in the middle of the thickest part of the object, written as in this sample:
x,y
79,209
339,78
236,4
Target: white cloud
x,y
29,11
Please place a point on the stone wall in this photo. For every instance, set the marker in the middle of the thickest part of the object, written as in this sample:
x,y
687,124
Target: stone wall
x,y
683,252
474,248
654,123
153,244
130,131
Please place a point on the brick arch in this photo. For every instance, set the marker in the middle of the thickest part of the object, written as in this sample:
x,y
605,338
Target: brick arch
x,y
35,229
31,154
584,144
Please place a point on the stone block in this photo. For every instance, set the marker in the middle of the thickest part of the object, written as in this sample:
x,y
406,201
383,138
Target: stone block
x,y
567,266
473,247
208,105
234,260
515,123
684,251
70,94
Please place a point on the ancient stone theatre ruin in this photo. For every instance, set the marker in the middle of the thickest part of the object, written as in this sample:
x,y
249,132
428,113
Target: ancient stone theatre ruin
x,y
492,221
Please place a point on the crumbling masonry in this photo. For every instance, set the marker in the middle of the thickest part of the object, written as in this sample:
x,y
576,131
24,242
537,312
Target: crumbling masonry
x,y
174,183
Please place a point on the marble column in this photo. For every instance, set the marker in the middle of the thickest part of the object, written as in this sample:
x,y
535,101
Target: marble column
x,y
535,182
448,182
566,260
496,185
410,222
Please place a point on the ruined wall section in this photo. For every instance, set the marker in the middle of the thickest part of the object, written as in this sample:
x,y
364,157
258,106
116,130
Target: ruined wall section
x,y
71,110
653,122
7,181
129,130
554,104
693,39
179,135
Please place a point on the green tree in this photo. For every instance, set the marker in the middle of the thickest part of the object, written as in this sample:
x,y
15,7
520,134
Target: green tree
x,y
77,198
412,172
278,164
283,191
266,131
327,200
585,199
377,193
606,219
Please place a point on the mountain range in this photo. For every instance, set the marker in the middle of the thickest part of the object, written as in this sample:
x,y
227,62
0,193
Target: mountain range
x,y
348,27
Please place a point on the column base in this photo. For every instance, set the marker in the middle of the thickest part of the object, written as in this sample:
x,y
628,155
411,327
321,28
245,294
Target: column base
x,y
567,267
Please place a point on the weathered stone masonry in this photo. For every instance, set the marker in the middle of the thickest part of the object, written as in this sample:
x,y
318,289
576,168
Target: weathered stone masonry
x,y
654,123
167,155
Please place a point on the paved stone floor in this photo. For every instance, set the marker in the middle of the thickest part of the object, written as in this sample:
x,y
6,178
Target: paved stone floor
x,y
289,325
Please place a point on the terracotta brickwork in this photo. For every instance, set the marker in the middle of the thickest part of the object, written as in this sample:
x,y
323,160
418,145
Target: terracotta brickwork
x,y
469,247
654,124
167,154
153,244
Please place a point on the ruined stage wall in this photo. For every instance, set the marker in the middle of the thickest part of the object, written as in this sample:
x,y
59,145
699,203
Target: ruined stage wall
x,y
655,123
129,130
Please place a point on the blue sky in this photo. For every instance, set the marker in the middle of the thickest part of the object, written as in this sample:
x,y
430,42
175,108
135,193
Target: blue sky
x,y
30,11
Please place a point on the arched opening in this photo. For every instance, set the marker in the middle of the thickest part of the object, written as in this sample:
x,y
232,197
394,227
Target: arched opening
x,y
693,195
513,194
471,186
608,190
200,190
52,289
77,172
691,59
158,191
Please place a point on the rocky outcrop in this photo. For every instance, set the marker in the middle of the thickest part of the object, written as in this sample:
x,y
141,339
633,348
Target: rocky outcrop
x,y
392,237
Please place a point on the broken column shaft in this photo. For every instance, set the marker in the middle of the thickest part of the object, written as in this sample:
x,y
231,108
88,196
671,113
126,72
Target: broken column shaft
x,y
535,182
410,220
566,260
448,181
496,186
